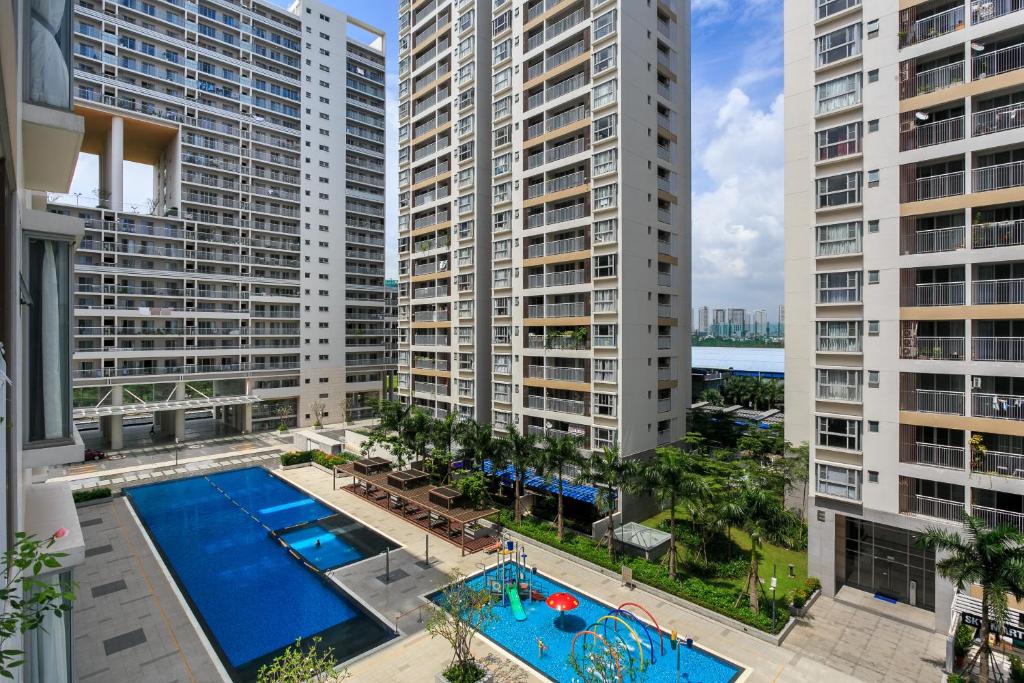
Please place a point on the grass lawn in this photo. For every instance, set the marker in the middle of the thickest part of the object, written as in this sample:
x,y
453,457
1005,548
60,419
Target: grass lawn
x,y
770,555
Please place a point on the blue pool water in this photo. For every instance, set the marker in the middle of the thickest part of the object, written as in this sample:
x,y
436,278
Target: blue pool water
x,y
252,597
332,551
557,632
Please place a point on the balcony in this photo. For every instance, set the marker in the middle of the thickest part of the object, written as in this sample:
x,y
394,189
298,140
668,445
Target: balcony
x,y
994,517
997,119
933,26
934,455
998,176
934,79
1002,60
997,406
557,372
562,278
556,247
1006,349
933,401
934,294
928,506
1004,291
939,185
986,10
997,233
933,348
571,309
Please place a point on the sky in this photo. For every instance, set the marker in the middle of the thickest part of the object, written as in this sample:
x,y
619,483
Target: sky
x,y
737,148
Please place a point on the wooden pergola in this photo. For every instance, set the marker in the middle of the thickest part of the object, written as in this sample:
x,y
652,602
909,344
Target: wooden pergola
x,y
434,508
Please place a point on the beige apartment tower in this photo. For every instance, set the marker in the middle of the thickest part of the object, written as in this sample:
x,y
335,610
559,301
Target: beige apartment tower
x,y
904,279
544,216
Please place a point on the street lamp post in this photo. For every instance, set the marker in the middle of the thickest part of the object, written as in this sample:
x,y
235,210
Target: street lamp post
x,y
176,444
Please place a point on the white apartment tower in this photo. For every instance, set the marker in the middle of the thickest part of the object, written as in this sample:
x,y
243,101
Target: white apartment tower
x,y
550,285
252,284
904,279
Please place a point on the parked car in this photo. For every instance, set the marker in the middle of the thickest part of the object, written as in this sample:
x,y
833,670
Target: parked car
x,y
93,454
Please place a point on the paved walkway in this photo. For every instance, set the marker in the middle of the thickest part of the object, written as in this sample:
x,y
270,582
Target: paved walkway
x,y
129,624
898,653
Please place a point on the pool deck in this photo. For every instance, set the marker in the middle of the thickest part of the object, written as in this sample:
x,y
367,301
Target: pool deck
x,y
835,643
122,591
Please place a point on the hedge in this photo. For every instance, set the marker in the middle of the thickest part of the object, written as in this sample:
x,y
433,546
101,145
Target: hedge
x,y
693,589
319,457
83,495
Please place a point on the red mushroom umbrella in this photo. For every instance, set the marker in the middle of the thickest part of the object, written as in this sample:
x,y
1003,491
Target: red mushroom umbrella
x,y
562,602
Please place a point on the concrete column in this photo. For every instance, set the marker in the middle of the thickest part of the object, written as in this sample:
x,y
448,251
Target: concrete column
x,y
112,170
115,435
179,415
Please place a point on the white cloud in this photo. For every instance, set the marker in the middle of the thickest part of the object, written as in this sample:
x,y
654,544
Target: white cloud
x,y
737,219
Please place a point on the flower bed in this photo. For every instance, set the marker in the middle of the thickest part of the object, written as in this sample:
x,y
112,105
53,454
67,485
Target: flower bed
x,y
319,457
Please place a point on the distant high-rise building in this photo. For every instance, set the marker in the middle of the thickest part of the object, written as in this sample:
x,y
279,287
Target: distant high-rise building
x,y
760,322
703,320
737,321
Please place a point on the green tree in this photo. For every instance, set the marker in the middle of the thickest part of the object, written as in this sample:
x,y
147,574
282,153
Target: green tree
x,y
476,444
298,665
415,432
990,558
558,454
796,471
671,476
756,507
712,396
443,432
461,613
610,474
27,600
520,450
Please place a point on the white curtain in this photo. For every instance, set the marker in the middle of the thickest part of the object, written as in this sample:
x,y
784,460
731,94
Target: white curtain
x,y
48,651
49,81
49,344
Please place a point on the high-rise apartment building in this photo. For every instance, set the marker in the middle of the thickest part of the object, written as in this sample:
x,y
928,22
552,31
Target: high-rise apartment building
x,y
703,320
904,234
759,322
544,228
252,283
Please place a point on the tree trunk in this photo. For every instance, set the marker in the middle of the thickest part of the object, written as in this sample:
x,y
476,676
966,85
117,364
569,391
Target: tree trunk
x,y
560,480
611,531
983,632
672,541
753,579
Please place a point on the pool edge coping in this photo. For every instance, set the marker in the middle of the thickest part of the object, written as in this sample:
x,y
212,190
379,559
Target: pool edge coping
x,y
742,675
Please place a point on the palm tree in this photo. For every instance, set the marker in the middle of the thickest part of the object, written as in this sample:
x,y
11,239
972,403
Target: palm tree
x,y
476,443
414,432
519,450
609,473
443,432
558,454
756,508
671,476
991,558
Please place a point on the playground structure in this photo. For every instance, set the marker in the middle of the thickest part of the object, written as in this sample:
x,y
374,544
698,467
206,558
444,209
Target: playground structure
x,y
510,583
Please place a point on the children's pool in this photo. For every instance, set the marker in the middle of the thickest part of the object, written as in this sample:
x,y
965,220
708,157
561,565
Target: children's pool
x,y
252,597
637,644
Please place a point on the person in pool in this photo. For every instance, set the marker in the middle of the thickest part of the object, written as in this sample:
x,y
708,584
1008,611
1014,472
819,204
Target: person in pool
x,y
318,543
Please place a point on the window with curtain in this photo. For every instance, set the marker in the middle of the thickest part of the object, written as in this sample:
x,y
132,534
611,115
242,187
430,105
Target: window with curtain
x,y
48,392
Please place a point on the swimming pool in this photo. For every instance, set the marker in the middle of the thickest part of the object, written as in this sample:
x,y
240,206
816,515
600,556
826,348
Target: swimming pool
x,y
334,541
252,597
543,624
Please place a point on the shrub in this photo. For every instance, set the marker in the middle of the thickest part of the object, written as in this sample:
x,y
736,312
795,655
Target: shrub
x,y
811,584
82,495
470,673
1016,669
798,598
296,457
962,640
955,678
695,590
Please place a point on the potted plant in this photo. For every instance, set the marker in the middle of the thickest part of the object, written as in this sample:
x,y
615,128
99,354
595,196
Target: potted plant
x,y
579,336
460,613
962,640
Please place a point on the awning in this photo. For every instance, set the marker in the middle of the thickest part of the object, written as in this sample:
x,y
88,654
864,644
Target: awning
x,y
156,406
640,536
580,492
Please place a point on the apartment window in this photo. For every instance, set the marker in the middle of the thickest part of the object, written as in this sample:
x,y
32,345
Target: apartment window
x,y
465,151
466,21
605,93
604,25
605,438
835,384
466,361
604,127
838,93
465,125
839,287
605,162
465,47
464,256
605,405
839,190
604,59
502,79
503,135
605,231
503,107
605,300
840,141
502,249
606,197
466,98
466,307
872,226
465,230
873,328
503,164
502,305
873,378
606,370
501,23
873,178
501,51
46,273
502,192
838,336
838,45
502,390
503,277
827,8
501,221
873,277
605,265
873,126
465,204
501,334
838,239
465,335
465,73
873,76
503,363
872,28
838,481
836,432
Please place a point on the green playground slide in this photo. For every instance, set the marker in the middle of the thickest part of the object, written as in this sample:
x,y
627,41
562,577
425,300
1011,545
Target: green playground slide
x,y
517,606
